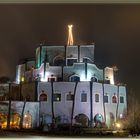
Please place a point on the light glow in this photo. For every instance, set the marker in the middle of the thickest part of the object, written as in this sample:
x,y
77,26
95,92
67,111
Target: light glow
x,y
118,125
70,36
47,76
121,116
22,79
83,78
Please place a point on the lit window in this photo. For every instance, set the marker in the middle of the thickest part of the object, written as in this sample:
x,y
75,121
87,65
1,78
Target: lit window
x,y
114,99
3,120
70,97
121,99
57,97
105,99
83,97
15,120
52,79
96,98
27,120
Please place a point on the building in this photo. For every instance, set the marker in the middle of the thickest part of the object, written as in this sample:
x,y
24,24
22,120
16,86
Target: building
x,y
63,85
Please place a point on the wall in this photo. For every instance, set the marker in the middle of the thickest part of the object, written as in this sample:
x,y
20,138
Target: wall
x,y
64,107
28,91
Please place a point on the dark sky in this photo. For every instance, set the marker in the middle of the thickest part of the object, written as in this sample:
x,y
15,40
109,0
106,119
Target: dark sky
x,y
115,29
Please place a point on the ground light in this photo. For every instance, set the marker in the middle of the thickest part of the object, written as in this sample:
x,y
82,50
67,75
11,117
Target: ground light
x,y
118,125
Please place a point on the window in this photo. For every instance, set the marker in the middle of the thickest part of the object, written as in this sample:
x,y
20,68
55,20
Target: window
x,y
15,120
74,78
52,78
105,99
96,97
3,120
70,97
57,97
121,99
114,99
43,96
27,120
58,61
70,61
94,79
83,97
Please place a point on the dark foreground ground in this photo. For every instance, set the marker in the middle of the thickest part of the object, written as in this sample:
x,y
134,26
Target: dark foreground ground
x,y
89,134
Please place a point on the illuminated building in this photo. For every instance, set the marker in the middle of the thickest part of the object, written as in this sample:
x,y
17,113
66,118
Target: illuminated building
x,y
66,68
64,85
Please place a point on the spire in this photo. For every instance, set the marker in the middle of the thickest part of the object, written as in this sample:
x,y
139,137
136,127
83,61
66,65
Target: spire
x,y
70,36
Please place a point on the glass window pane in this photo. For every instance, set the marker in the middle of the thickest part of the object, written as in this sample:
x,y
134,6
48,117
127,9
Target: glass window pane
x,y
105,99
96,97
57,97
121,99
83,97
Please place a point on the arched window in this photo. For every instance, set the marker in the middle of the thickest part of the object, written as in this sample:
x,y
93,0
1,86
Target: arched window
x,y
58,61
43,97
98,118
74,78
94,79
15,120
82,119
114,99
27,120
3,120
96,98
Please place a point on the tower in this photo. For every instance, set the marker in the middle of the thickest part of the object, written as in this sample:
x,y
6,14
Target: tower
x,y
70,36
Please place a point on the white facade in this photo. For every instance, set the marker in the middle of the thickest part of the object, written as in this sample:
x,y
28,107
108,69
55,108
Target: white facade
x,y
63,108
70,85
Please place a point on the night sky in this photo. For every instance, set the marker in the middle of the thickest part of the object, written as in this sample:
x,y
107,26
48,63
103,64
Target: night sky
x,y
115,29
